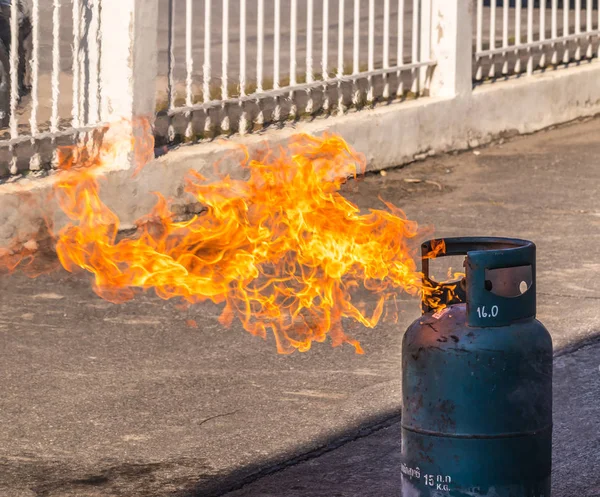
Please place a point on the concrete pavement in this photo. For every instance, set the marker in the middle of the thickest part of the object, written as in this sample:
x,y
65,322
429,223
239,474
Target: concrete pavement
x,y
103,400
367,466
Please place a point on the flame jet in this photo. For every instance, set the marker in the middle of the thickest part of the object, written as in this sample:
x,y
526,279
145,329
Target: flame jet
x,y
283,250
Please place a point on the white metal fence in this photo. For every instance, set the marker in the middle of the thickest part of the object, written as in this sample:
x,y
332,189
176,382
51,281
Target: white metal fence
x,y
522,36
199,68
273,60
49,85
71,66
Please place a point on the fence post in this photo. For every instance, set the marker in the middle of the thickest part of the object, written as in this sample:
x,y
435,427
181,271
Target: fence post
x,y
128,71
452,47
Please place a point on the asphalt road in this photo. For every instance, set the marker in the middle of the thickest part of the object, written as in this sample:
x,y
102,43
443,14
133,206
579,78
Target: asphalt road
x,y
98,399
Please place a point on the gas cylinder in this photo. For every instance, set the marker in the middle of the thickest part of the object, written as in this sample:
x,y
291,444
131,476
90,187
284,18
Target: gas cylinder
x,y
477,380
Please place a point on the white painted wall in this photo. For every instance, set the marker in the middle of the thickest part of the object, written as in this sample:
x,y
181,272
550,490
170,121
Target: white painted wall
x,y
129,60
451,47
128,71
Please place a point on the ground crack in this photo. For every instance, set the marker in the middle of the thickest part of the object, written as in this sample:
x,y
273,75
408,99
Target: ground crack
x,y
218,416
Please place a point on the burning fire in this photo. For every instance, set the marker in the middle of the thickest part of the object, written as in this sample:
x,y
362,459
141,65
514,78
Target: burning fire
x,y
283,250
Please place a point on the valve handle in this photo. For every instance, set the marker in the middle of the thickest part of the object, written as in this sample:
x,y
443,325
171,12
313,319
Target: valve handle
x,y
499,286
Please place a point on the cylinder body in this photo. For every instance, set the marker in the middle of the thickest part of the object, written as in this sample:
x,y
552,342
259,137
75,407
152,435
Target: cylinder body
x,y
477,408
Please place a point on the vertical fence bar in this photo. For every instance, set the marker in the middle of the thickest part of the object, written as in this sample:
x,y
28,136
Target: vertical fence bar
x,y
54,120
479,39
82,63
517,35
356,52
340,54
243,123
293,43
400,49
371,50
424,43
243,48
386,47
325,54
578,29
94,48
505,11
309,40
34,163
589,27
260,49
293,40
530,5
415,46
76,68
542,62
206,68
260,28
276,44
225,51
189,66
566,6
554,30
172,92
493,5
277,57
309,52
260,57
598,28
14,81
356,37
225,65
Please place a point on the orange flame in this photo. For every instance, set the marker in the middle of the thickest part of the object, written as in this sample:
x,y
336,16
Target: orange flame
x,y
284,251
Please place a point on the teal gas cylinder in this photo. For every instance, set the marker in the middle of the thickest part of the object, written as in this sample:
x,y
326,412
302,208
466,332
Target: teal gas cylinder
x,y
477,381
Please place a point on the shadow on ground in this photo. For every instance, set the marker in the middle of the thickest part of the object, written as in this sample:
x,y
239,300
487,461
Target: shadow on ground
x,y
360,461
284,468
176,477
366,462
